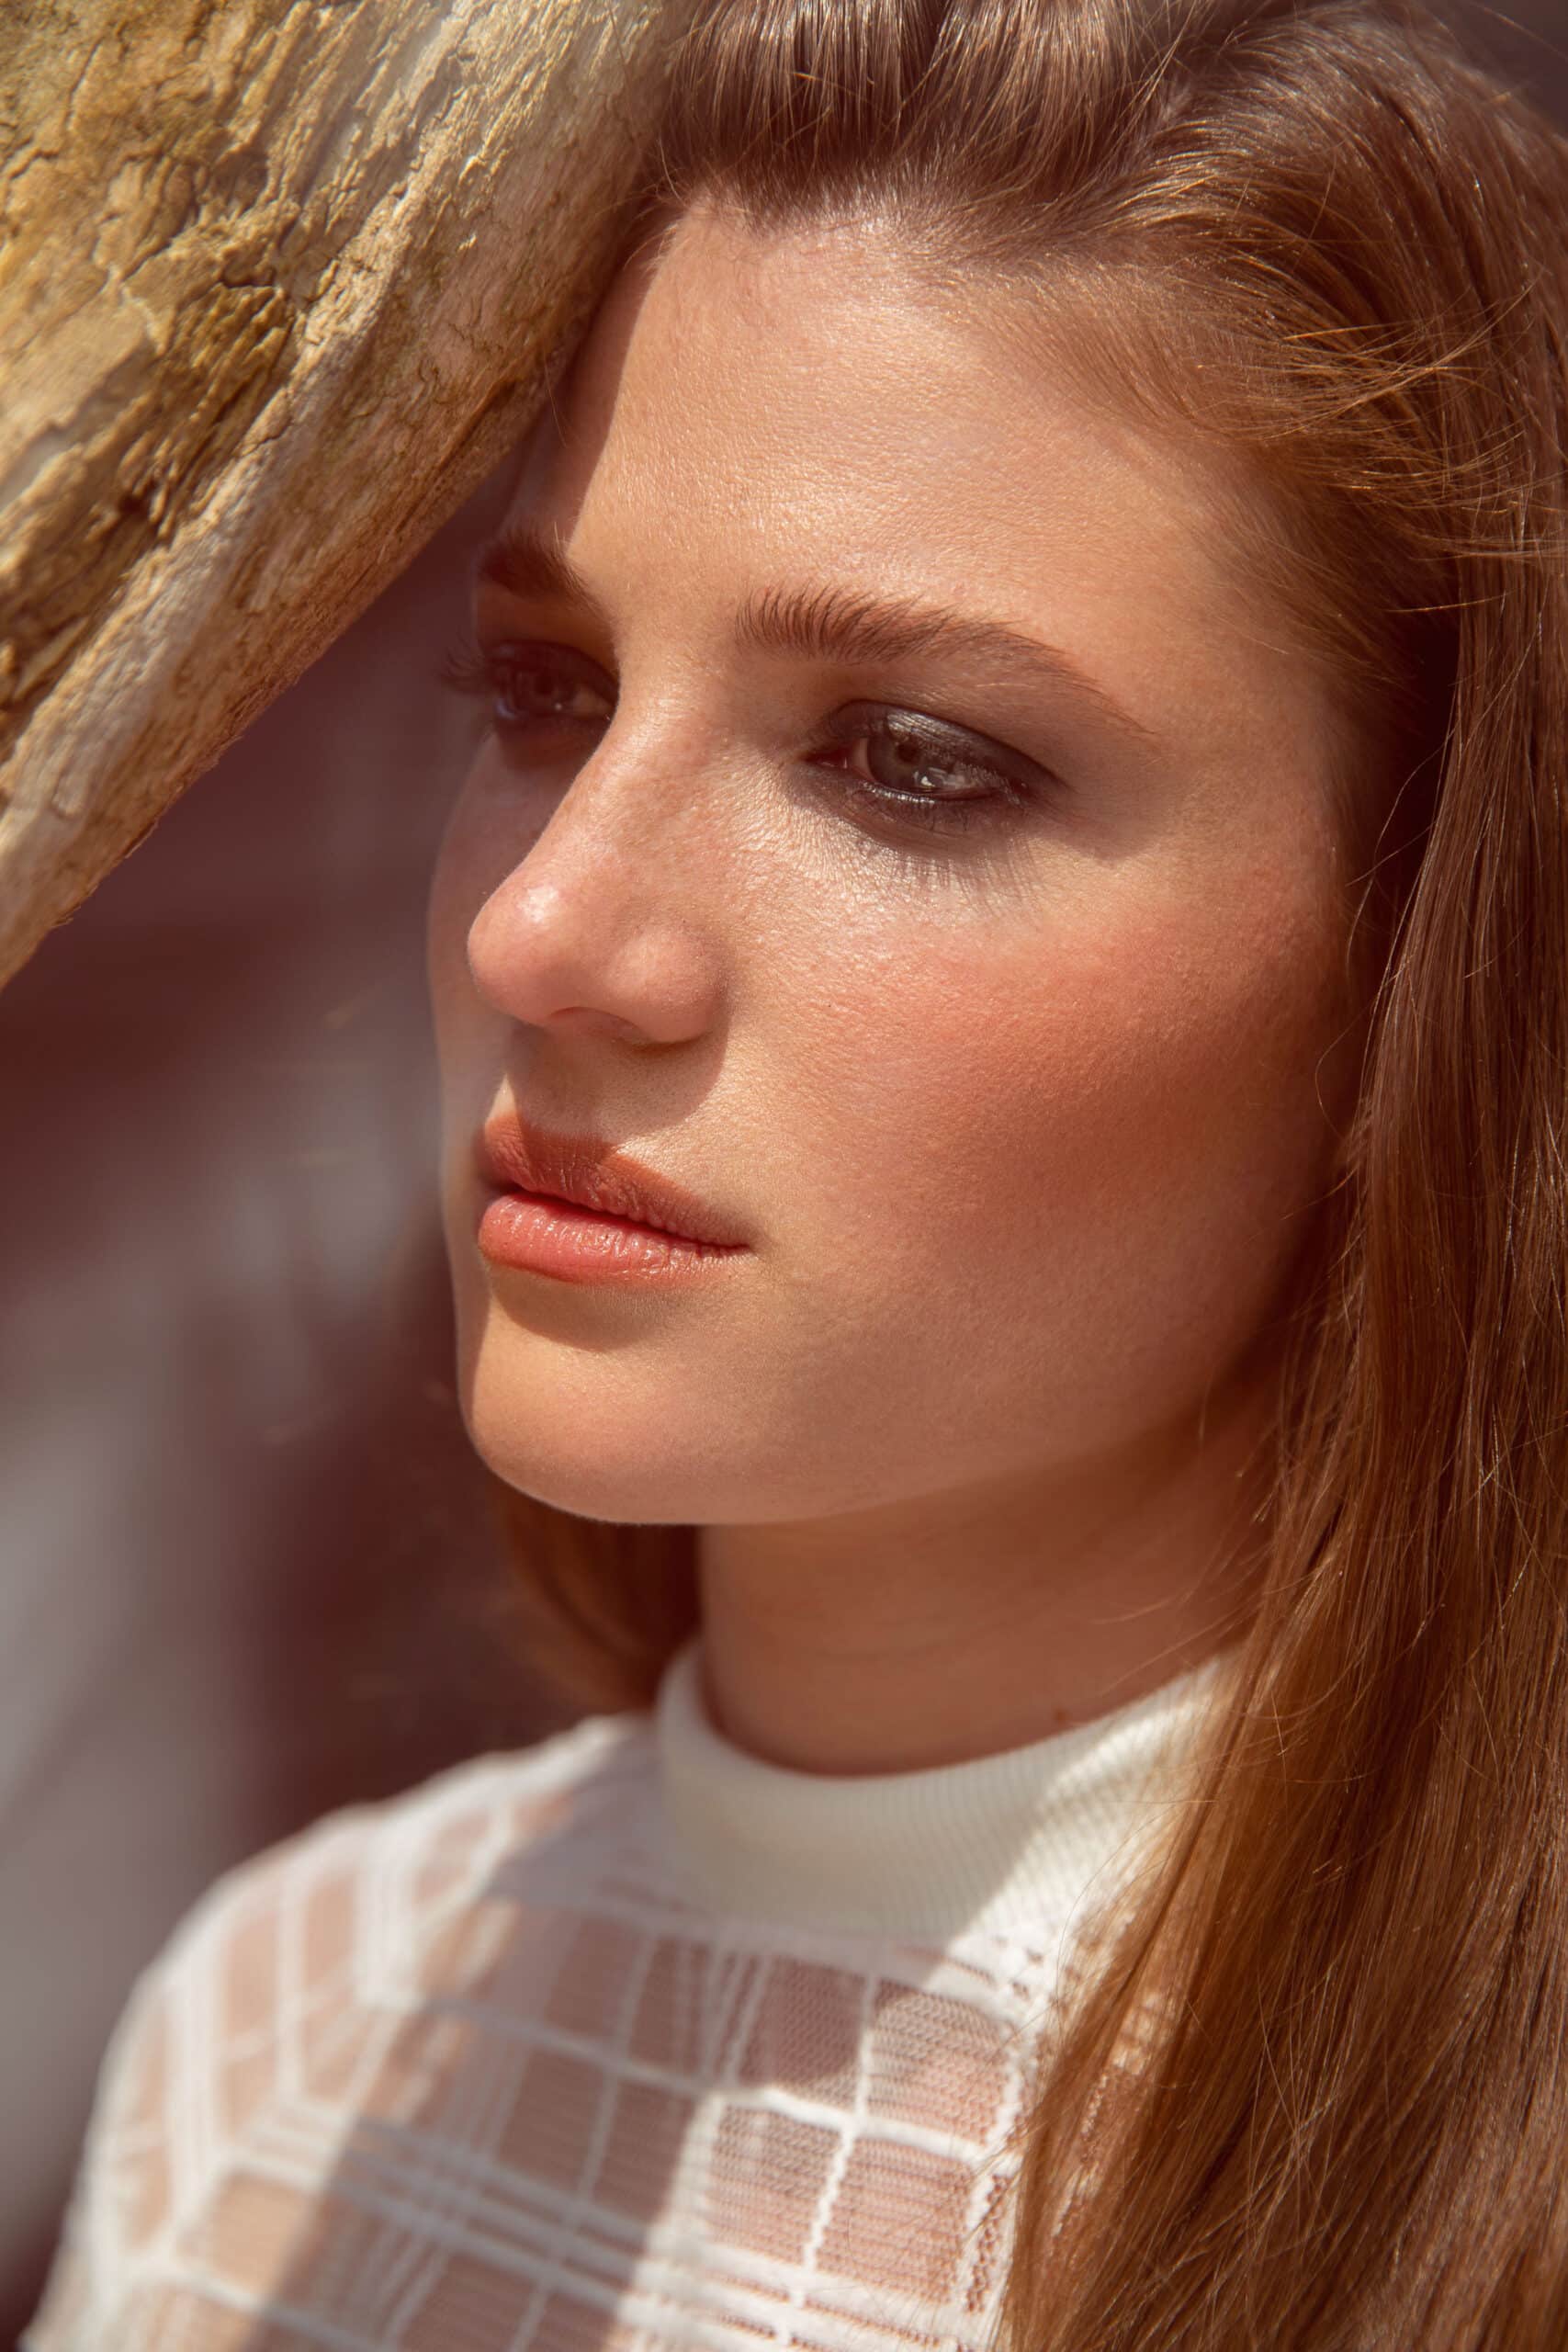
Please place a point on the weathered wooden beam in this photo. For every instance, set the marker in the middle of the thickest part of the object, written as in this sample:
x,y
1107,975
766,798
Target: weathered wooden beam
x,y
279,284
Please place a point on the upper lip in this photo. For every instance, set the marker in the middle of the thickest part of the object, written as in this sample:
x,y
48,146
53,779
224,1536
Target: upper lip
x,y
518,1158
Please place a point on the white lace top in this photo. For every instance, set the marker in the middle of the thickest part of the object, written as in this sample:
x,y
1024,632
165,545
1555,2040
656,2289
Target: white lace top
x,y
624,2042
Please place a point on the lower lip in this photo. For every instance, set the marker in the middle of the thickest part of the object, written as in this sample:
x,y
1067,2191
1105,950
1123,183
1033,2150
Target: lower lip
x,y
575,1245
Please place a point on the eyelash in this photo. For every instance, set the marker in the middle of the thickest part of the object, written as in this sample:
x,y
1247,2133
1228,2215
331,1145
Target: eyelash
x,y
479,672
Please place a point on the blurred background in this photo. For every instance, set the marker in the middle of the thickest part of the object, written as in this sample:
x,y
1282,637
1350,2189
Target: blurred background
x,y
248,1572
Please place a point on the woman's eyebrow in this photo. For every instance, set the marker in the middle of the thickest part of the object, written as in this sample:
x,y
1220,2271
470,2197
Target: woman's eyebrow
x,y
830,623
824,623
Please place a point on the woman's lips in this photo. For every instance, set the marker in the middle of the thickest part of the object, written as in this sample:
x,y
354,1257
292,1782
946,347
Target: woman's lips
x,y
537,1236
570,1207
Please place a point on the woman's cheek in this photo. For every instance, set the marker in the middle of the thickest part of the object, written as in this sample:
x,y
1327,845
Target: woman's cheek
x,y
1123,1127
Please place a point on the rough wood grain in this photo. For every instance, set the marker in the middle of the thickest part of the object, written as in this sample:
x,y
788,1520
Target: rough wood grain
x,y
279,283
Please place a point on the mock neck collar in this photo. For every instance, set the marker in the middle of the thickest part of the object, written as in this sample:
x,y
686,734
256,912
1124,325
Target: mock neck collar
x,y
995,1843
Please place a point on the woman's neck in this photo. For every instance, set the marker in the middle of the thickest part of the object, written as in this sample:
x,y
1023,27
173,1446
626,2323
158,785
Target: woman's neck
x,y
954,1625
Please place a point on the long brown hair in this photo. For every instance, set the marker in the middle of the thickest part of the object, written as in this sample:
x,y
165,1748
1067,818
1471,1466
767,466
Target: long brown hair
x,y
1321,234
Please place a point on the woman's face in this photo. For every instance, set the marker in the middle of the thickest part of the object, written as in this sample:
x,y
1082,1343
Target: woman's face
x,y
1016,1100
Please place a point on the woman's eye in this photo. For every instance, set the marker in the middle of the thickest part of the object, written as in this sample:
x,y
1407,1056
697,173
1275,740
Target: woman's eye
x,y
902,766
529,685
929,772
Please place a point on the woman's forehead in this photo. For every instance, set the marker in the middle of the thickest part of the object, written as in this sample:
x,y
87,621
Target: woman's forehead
x,y
819,354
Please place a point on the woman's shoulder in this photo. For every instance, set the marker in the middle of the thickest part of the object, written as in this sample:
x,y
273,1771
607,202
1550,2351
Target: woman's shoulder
x,y
416,1856
286,1989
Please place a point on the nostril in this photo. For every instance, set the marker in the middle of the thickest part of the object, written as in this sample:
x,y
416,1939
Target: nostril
x,y
583,1016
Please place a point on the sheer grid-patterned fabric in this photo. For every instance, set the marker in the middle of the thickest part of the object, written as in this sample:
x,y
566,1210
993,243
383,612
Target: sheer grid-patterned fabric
x,y
485,2069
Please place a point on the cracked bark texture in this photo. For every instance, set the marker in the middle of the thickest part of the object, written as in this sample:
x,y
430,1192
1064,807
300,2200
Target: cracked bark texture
x,y
279,284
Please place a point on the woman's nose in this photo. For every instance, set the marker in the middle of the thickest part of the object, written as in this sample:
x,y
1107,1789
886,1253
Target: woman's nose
x,y
597,928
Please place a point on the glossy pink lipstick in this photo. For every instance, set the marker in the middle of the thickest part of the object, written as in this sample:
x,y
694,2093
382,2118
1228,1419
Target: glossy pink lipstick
x,y
573,1208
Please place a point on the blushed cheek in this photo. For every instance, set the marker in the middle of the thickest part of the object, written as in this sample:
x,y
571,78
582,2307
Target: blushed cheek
x,y
1122,1131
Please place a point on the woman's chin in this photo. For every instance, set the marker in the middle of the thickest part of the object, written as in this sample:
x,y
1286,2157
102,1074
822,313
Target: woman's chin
x,y
617,1466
